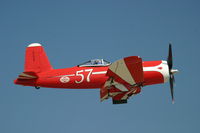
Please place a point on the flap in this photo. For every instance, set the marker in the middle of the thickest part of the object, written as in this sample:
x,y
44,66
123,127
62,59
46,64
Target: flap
x,y
118,91
126,95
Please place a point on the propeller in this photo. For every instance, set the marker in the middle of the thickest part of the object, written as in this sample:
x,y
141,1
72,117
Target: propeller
x,y
171,72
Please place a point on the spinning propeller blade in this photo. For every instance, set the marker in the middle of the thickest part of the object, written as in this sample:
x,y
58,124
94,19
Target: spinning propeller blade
x,y
171,72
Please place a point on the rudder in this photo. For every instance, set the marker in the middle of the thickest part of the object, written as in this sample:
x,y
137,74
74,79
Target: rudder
x,y
36,59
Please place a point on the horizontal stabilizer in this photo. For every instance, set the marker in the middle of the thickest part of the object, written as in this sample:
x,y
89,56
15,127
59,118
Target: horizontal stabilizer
x,y
28,75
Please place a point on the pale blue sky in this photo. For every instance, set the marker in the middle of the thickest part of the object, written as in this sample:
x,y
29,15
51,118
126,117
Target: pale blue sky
x,y
78,30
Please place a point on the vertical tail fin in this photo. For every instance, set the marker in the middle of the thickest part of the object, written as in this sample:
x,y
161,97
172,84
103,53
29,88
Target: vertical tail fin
x,y
36,59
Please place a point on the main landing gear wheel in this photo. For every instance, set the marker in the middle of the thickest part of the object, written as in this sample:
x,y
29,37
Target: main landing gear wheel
x,y
119,101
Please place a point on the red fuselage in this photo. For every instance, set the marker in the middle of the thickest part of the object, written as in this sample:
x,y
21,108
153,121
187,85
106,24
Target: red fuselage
x,y
155,72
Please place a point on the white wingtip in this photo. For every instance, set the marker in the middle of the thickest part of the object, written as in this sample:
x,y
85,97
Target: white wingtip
x,y
34,45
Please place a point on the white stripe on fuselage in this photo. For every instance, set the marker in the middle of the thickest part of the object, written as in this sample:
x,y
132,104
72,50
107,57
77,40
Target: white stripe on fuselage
x,y
102,72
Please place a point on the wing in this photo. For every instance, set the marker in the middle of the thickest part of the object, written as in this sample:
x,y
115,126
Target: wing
x,y
125,79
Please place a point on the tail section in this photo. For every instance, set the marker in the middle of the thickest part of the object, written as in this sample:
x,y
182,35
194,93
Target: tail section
x,y
36,59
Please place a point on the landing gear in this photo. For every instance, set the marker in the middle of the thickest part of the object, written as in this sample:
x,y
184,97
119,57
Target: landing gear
x,y
119,101
37,87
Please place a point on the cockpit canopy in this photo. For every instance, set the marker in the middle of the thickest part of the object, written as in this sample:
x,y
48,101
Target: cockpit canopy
x,y
95,63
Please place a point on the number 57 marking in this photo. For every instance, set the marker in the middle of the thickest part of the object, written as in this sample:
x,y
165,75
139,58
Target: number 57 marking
x,y
79,73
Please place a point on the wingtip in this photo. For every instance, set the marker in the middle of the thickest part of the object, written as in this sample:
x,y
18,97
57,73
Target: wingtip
x,y
34,45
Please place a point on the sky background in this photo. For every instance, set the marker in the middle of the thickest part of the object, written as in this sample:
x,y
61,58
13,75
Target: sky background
x,y
74,31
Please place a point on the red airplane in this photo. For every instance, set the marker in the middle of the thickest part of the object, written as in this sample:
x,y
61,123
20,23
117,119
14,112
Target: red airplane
x,y
119,80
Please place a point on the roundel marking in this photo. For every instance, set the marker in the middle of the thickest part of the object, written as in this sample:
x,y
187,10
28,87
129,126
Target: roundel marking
x,y
64,79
